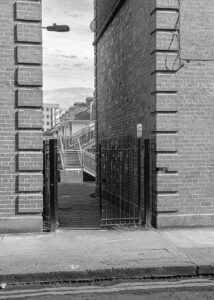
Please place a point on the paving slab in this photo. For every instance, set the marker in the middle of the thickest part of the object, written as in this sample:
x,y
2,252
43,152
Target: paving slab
x,y
76,254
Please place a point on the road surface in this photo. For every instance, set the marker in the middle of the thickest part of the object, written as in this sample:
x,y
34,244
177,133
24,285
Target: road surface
x,y
190,289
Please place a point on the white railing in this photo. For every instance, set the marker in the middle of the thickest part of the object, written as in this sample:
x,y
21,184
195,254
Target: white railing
x,y
73,159
61,152
73,153
89,162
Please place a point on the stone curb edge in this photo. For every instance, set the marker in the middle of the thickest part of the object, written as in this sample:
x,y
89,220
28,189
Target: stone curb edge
x,y
111,274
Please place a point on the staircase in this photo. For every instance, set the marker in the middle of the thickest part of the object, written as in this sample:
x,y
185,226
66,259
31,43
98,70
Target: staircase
x,y
78,154
73,159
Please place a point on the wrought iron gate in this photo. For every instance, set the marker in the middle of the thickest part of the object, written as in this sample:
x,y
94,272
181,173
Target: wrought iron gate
x,y
50,187
124,181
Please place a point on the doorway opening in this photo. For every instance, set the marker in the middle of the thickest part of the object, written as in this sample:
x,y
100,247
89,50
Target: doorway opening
x,y
69,115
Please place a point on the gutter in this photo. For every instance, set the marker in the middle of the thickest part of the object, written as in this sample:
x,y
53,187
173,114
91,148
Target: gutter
x,y
109,20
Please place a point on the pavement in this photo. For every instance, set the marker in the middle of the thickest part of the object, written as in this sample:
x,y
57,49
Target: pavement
x,y
106,254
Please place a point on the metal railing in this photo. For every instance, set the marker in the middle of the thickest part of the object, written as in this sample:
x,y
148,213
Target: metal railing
x,y
73,151
73,159
120,181
61,153
50,184
89,162
81,138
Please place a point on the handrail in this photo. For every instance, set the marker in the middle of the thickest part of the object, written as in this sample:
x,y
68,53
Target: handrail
x,y
61,152
88,128
79,144
70,161
86,160
89,162
61,144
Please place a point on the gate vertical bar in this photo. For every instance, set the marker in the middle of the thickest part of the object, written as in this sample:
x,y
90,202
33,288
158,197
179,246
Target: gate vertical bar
x,y
139,182
100,177
53,185
147,182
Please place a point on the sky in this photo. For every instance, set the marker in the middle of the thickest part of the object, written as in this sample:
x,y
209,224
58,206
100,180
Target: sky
x,y
68,58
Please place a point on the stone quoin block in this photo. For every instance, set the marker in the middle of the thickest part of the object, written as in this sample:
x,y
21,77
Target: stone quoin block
x,y
30,203
166,142
30,182
30,118
167,62
164,4
30,161
28,11
164,102
165,122
165,182
29,33
30,76
164,20
30,140
164,41
29,97
167,203
166,160
162,82
29,54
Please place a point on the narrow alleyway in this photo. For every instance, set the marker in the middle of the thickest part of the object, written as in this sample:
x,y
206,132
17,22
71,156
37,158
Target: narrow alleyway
x,y
77,208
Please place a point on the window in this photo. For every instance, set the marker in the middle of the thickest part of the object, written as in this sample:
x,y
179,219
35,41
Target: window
x,y
47,109
47,123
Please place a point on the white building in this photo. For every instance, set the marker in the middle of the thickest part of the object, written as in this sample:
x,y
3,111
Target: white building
x,y
51,114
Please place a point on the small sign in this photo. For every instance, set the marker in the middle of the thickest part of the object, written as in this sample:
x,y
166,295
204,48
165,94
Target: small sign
x,y
139,130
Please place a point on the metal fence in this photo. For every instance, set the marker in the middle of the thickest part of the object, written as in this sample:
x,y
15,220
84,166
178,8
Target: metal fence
x,y
122,167
50,185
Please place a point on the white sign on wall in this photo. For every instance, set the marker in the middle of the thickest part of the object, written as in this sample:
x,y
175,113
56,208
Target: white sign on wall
x,y
139,130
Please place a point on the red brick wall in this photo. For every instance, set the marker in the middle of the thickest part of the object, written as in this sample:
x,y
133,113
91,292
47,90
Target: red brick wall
x,y
123,93
155,66
21,116
104,8
187,150
123,80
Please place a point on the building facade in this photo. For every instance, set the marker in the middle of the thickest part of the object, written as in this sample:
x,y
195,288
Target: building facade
x,y
74,119
21,159
155,67
51,114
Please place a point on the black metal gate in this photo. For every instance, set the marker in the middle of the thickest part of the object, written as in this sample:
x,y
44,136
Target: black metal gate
x,y
124,181
50,188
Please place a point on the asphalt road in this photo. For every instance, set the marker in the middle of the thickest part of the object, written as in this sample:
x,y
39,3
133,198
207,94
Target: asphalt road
x,y
179,290
166,295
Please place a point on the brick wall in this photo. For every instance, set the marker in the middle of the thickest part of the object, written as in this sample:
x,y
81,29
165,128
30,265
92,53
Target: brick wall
x,y
105,8
123,79
155,66
21,200
124,94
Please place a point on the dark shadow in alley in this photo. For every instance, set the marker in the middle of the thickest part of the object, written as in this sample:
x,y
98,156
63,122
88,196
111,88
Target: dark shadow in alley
x,y
77,206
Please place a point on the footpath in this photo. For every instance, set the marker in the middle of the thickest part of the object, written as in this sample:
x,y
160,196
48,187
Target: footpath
x,y
105,255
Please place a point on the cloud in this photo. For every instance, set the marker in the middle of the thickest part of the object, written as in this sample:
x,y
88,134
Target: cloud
x,y
67,96
67,56
74,15
78,65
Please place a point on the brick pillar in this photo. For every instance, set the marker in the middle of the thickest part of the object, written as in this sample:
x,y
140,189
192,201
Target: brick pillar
x,y
21,179
164,107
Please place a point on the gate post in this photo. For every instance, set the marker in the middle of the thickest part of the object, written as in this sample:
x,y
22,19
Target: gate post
x,y
100,175
147,182
139,181
53,184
